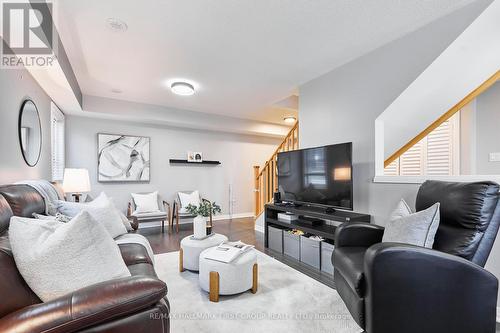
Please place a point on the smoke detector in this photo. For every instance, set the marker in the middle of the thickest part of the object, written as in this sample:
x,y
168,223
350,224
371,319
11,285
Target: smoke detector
x,y
116,25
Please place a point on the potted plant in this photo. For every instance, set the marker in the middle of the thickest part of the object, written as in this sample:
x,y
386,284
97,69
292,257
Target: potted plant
x,y
204,210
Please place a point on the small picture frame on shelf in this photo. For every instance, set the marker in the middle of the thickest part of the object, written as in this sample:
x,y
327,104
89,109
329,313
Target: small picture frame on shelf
x,y
195,156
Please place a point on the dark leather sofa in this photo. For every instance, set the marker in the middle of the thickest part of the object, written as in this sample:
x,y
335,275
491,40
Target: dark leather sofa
x,y
133,304
393,287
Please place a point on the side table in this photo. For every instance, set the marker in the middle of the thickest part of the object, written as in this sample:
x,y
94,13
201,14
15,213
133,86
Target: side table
x,y
189,254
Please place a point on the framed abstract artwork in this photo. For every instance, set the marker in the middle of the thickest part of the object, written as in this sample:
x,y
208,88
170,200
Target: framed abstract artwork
x,y
123,158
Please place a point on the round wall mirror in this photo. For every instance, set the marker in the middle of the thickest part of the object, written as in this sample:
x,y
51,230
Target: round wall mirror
x,y
30,132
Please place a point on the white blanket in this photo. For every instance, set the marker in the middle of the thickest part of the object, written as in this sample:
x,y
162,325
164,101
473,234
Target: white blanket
x,y
136,239
48,193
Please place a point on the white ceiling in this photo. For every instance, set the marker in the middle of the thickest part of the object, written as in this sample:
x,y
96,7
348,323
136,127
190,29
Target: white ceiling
x,y
243,56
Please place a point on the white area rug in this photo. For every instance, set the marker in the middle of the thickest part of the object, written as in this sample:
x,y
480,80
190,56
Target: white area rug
x,y
286,301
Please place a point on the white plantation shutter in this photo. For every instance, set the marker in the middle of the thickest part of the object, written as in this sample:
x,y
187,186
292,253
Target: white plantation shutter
x,y
440,151
437,154
57,143
411,162
392,169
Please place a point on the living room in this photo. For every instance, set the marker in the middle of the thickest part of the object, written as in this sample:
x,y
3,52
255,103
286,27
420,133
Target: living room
x,y
175,127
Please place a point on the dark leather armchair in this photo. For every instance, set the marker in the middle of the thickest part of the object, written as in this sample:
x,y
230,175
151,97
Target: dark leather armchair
x,y
134,304
393,287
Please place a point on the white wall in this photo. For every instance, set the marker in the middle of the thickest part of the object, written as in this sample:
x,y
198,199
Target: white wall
x,y
16,86
487,133
468,134
467,63
237,153
343,105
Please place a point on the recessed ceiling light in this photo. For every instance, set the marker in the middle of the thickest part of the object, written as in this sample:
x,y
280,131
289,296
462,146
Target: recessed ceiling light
x,y
116,25
116,91
182,88
289,119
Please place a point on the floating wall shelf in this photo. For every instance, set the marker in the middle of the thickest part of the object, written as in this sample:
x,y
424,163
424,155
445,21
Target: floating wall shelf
x,y
172,161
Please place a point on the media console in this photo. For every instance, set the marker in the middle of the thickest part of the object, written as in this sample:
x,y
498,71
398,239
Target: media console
x,y
326,227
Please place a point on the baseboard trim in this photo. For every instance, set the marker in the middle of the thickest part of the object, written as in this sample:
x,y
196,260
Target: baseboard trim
x,y
187,221
259,228
234,216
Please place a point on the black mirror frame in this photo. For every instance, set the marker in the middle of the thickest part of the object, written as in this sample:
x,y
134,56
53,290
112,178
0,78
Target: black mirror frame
x,y
19,123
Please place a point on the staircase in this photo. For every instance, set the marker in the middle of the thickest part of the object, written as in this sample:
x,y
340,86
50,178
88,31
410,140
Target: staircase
x,y
266,179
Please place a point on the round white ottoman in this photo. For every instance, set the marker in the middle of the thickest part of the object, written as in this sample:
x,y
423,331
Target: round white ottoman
x,y
191,248
236,277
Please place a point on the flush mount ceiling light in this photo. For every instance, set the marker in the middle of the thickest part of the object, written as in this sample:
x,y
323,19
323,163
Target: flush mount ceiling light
x,y
182,88
116,25
289,119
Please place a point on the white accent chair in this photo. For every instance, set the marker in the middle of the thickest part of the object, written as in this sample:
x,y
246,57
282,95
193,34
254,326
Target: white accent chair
x,y
163,214
179,212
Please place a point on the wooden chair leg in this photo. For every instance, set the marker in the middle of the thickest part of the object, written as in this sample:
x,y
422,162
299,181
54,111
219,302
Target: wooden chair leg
x,y
162,226
255,278
214,287
181,260
177,224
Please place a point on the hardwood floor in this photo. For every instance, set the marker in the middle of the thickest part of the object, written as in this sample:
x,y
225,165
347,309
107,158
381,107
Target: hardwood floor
x,y
235,229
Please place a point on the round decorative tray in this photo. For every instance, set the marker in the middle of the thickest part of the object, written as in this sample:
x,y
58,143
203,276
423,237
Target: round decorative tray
x,y
202,238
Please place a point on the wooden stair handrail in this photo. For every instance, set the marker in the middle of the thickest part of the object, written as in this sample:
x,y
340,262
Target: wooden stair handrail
x,y
266,179
457,107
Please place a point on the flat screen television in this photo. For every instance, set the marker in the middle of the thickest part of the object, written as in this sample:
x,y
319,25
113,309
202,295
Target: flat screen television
x,y
319,176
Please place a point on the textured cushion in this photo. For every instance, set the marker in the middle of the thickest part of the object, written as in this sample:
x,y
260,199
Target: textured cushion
x,y
150,215
107,215
415,229
402,210
109,218
58,258
102,200
71,209
187,199
145,203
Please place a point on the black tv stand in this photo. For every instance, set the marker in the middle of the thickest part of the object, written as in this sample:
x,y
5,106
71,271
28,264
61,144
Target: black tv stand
x,y
288,204
330,210
312,220
323,229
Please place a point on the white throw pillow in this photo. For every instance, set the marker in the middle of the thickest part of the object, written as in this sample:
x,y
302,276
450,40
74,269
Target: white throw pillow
x,y
416,229
109,217
102,200
106,214
186,199
145,203
58,258
71,209
401,210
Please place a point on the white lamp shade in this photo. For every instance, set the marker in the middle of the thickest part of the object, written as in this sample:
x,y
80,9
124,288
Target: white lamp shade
x,y
76,181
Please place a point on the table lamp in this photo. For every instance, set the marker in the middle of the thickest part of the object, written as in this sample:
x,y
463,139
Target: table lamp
x,y
76,181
